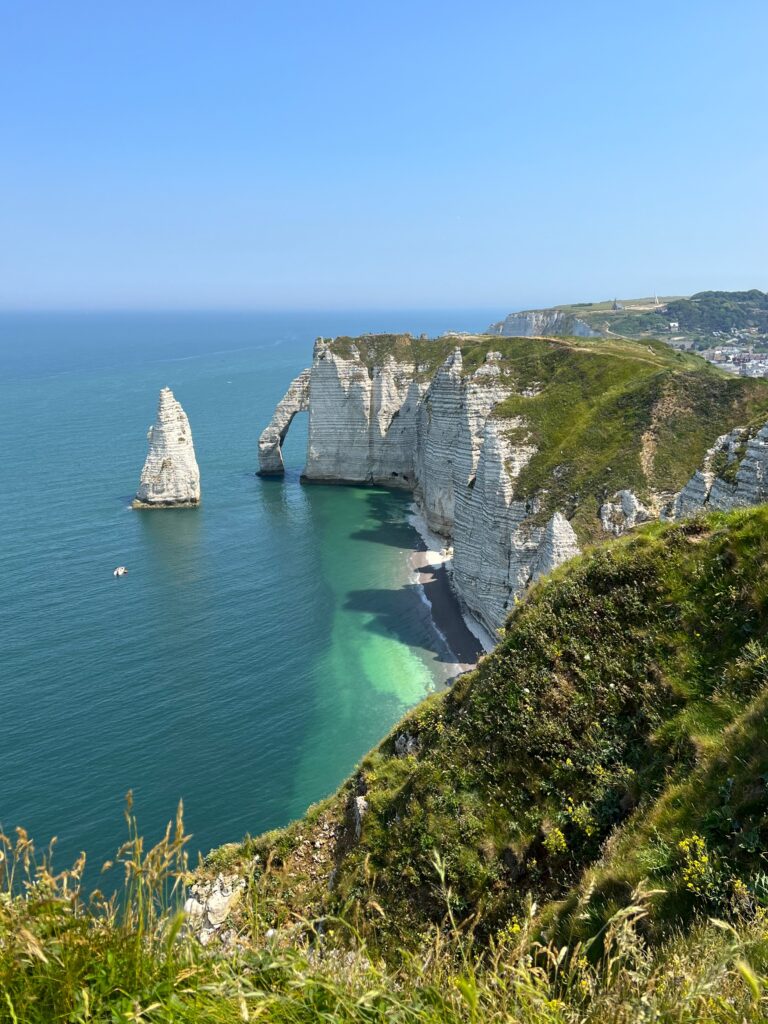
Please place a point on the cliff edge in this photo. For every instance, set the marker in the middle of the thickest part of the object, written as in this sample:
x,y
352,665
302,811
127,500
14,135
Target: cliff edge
x,y
519,451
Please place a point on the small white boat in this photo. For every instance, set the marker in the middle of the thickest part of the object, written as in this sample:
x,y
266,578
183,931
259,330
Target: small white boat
x,y
121,570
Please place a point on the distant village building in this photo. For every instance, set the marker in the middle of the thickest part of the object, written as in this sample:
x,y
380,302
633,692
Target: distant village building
x,y
674,325
616,306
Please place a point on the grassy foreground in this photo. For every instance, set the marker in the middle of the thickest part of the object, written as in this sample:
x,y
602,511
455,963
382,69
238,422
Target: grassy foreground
x,y
128,959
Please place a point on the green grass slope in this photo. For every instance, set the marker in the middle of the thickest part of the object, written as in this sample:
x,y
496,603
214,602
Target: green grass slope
x,y
132,959
616,736
618,414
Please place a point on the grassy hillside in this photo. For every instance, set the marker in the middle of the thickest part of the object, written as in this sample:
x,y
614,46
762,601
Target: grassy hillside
x,y
618,414
617,734
574,833
607,413
706,312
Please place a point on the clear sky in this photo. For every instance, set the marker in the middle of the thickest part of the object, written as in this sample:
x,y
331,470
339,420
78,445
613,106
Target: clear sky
x,y
403,153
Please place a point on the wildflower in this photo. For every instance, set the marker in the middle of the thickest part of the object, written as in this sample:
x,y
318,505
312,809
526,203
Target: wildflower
x,y
697,869
555,842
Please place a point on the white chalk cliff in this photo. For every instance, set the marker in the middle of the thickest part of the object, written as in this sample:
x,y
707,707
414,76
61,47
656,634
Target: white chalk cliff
x,y
170,477
436,436
537,323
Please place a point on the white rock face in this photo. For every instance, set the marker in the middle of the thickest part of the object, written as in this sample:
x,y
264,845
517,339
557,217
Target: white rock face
x,y
557,545
209,905
358,811
387,424
170,477
439,438
362,424
536,323
709,492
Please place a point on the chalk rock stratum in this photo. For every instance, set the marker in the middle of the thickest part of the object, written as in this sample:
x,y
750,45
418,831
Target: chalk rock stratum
x,y
296,399
170,477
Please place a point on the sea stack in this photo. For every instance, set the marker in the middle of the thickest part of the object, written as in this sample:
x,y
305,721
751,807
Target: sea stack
x,y
170,477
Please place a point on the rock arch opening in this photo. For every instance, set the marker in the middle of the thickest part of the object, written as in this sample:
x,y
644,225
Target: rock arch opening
x,y
295,400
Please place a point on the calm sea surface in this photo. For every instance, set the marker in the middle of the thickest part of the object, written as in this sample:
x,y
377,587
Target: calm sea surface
x,y
259,645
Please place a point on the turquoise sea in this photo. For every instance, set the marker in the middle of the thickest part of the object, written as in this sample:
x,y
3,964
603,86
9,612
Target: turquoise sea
x,y
259,645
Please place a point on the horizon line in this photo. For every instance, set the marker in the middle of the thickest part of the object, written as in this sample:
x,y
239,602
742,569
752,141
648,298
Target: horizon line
x,y
250,309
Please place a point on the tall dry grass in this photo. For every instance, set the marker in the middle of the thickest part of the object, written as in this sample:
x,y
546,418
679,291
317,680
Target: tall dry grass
x,y
68,955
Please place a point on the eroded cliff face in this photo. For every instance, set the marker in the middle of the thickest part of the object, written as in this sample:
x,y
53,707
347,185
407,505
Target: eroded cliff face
x,y
734,475
362,421
170,477
538,323
435,435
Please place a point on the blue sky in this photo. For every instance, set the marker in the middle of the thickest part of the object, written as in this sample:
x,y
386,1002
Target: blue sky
x,y
247,154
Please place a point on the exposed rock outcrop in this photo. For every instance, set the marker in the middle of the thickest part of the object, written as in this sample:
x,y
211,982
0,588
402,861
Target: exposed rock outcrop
x,y
170,477
537,323
734,475
358,808
558,544
623,513
406,744
209,905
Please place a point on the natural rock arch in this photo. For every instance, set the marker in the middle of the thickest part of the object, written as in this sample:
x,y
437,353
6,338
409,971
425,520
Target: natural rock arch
x,y
296,399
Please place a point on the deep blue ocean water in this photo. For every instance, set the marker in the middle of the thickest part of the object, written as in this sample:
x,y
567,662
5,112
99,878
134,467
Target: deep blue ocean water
x,y
259,646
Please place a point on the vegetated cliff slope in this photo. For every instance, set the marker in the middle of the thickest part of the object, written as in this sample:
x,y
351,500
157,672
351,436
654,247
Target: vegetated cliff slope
x,y
519,450
618,732
720,311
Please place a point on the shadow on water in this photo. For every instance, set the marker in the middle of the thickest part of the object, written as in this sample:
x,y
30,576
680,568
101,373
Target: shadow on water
x,y
388,619
173,537
290,513
386,507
